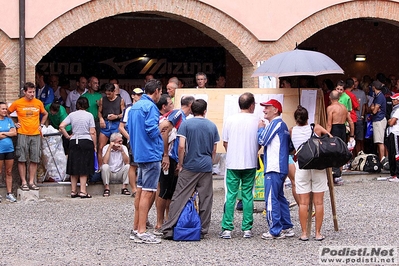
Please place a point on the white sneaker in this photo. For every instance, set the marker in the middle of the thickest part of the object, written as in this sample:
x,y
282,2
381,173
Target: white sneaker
x,y
11,198
158,232
268,236
394,179
289,232
247,234
225,234
133,234
146,238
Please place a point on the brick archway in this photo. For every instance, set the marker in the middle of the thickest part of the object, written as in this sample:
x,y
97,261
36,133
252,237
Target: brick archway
x,y
234,38
383,10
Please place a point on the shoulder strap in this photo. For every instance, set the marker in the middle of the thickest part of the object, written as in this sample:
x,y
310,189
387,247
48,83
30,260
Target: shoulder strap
x,y
312,127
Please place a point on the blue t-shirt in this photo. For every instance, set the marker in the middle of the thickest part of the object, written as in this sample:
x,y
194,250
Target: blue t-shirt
x,y
380,100
201,135
6,143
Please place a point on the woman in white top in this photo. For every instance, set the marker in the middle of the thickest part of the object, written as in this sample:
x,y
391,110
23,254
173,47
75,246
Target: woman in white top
x,y
82,146
307,181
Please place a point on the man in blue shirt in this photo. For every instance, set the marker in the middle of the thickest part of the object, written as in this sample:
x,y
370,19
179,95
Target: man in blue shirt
x,y
378,111
168,179
43,91
198,138
275,139
147,148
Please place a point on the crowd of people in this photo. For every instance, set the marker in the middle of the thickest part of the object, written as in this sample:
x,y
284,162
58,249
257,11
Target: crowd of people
x,y
142,141
361,112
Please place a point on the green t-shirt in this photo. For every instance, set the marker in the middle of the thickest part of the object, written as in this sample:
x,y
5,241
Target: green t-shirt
x,y
93,107
55,120
346,100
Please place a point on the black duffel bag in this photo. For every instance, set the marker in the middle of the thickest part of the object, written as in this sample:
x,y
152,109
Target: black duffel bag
x,y
322,152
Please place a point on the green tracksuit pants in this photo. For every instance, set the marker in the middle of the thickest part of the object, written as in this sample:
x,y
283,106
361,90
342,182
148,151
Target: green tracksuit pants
x,y
232,184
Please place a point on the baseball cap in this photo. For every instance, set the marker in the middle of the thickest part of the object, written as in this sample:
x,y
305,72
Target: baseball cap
x,y
376,84
276,104
395,96
138,91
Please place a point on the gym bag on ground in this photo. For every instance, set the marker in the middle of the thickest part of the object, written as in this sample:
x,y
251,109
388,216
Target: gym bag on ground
x,y
188,226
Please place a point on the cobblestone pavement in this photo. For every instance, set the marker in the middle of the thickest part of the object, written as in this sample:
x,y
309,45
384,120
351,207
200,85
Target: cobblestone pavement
x,y
59,230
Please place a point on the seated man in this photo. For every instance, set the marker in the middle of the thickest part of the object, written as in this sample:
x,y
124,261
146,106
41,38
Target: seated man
x,y
115,166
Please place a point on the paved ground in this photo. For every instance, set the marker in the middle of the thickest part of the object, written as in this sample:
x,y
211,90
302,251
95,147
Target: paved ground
x,y
58,230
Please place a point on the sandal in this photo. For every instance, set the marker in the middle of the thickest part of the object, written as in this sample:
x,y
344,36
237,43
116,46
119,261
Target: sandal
x,y
106,193
74,194
125,191
24,187
134,194
33,187
84,195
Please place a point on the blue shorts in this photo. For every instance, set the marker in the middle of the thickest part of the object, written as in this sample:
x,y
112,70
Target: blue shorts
x,y
148,176
110,127
291,159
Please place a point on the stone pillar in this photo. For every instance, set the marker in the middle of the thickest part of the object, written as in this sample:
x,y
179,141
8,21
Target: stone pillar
x,y
247,80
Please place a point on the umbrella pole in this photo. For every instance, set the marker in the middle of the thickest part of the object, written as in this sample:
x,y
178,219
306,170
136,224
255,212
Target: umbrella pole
x,y
332,197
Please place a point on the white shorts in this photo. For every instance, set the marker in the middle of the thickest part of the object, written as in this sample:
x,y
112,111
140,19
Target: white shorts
x,y
311,180
379,130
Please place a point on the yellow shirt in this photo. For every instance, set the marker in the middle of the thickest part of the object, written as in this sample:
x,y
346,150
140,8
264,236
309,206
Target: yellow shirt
x,y
28,115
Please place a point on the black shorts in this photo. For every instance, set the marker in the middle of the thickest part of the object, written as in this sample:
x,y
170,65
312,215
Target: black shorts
x,y
167,183
7,156
339,130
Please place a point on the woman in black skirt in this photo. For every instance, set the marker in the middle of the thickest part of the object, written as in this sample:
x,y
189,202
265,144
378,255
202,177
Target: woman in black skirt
x,y
82,146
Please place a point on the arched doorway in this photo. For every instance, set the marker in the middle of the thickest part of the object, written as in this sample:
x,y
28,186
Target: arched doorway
x,y
240,43
132,45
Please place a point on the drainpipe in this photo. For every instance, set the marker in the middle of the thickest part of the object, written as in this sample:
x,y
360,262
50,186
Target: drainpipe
x,y
22,50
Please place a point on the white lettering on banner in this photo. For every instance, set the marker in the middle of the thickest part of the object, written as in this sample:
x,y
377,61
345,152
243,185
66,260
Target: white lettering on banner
x,y
58,68
153,66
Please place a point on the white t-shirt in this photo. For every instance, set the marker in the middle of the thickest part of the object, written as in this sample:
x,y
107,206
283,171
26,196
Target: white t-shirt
x,y
240,131
115,161
72,99
395,128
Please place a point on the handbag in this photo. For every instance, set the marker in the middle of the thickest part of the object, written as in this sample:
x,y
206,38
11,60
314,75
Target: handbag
x,y
322,152
188,226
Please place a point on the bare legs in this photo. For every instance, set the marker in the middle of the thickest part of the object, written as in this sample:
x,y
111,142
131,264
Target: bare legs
x,y
8,164
102,141
381,150
291,176
142,204
303,212
74,184
132,178
319,208
32,172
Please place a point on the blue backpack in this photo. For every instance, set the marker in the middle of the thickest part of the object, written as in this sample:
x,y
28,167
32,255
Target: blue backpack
x,y
188,226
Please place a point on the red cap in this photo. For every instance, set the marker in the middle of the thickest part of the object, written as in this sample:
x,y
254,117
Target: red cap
x,y
276,104
395,96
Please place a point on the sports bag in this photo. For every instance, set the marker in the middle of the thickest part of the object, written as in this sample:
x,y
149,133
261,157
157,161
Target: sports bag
x,y
322,152
366,162
188,226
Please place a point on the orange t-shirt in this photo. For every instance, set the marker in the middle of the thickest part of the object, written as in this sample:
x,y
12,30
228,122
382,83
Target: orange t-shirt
x,y
28,115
